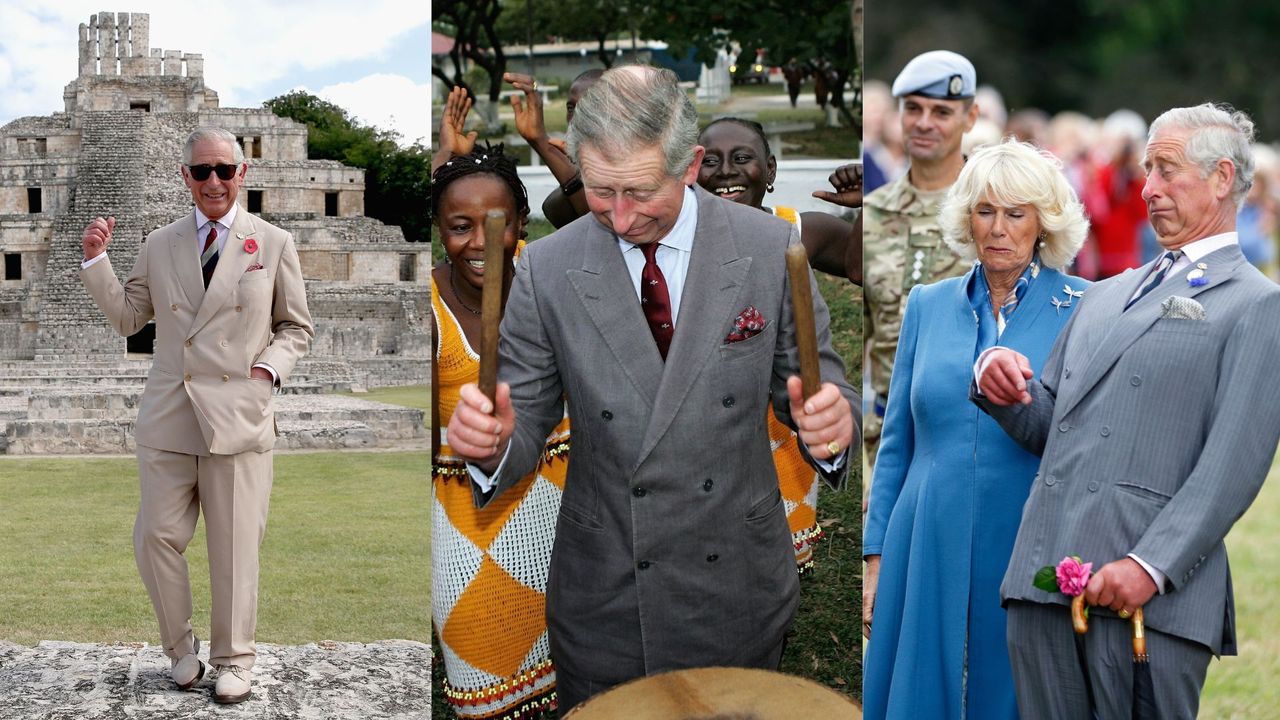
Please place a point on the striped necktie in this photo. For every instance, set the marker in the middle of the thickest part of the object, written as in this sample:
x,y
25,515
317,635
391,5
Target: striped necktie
x,y
1157,276
209,256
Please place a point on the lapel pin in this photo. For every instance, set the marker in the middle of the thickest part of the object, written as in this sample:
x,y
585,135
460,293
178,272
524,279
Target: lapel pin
x,y
1196,277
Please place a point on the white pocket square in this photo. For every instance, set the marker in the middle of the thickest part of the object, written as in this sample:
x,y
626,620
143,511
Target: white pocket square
x,y
1181,308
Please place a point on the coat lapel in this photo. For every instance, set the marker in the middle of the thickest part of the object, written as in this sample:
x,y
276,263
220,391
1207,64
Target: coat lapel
x,y
186,261
710,298
231,266
1125,327
604,288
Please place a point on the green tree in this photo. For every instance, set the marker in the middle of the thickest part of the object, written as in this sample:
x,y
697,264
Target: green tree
x,y
397,180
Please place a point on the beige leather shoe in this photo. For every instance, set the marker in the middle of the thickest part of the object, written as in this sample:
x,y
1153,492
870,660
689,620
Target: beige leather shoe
x,y
233,684
187,670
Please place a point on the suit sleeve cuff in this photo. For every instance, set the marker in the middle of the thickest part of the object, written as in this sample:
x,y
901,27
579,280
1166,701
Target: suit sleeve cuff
x,y
833,464
85,265
1156,575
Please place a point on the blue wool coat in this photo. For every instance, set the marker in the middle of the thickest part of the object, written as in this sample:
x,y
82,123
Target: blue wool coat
x,y
946,499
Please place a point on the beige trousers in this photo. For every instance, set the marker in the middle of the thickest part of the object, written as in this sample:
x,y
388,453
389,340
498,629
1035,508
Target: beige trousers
x,y
234,491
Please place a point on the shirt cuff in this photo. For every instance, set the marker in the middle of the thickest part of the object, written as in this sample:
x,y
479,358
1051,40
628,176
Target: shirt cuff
x,y
275,376
483,481
1155,574
833,464
980,365
85,265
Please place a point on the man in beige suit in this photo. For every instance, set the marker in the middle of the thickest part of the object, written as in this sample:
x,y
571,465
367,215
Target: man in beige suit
x,y
226,291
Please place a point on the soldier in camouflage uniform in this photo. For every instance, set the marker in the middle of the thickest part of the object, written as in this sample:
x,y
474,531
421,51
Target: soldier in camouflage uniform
x,y
902,243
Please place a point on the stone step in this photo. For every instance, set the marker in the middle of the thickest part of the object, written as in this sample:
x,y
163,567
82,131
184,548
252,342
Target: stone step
x,y
387,680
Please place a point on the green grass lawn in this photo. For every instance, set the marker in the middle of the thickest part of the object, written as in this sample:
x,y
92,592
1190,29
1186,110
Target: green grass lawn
x,y
1245,686
412,396
346,554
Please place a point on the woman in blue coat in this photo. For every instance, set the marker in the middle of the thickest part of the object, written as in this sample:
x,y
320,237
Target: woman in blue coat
x,y
949,484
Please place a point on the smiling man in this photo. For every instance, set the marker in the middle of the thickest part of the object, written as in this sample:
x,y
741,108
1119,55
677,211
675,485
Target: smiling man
x,y
664,320
901,240
225,290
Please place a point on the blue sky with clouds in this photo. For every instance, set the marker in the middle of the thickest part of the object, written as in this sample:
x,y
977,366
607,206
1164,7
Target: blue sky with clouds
x,y
370,57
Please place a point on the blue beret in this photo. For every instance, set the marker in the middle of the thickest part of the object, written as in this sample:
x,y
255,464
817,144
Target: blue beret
x,y
939,74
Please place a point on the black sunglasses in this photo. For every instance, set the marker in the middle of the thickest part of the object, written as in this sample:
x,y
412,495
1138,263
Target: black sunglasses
x,y
200,173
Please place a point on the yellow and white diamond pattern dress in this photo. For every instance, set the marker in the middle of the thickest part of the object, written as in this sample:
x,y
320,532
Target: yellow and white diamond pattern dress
x,y
489,567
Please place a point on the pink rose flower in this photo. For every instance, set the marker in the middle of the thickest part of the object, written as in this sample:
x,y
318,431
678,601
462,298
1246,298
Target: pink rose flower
x,y
1073,576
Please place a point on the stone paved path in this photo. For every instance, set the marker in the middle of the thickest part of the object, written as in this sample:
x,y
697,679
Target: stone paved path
x,y
57,680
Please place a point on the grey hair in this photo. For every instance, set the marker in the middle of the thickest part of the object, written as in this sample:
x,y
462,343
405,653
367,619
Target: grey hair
x,y
636,106
208,132
1217,132
1015,173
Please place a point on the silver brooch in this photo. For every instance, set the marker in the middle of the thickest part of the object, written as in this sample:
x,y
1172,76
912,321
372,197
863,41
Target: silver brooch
x,y
1071,295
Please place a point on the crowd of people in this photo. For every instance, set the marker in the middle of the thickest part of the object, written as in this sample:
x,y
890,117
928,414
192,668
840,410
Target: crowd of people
x,y
1102,158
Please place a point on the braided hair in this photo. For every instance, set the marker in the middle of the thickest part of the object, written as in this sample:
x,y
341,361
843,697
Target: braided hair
x,y
488,160
751,125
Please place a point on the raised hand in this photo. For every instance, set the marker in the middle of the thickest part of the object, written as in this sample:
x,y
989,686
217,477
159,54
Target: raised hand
x,y
479,431
847,181
453,141
527,109
96,237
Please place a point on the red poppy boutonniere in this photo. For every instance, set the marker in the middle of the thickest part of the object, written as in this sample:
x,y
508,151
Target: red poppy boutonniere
x,y
251,246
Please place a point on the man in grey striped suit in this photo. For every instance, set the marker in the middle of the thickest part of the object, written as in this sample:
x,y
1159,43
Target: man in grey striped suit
x,y
1157,417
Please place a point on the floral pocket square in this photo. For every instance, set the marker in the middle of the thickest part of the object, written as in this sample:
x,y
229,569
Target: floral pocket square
x,y
1181,308
748,324
253,267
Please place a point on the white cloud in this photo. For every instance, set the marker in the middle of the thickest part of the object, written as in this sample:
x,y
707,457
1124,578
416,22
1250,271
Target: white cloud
x,y
390,102
246,45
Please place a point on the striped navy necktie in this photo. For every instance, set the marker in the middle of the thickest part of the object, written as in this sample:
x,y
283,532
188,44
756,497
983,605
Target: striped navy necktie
x,y
1157,275
209,256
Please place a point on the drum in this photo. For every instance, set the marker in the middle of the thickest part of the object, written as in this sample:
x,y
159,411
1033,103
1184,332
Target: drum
x,y
718,694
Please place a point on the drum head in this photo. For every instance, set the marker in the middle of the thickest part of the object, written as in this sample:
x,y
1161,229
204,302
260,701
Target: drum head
x,y
718,694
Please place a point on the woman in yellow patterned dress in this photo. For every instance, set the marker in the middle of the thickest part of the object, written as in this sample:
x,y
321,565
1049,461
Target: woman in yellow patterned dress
x,y
489,567
738,166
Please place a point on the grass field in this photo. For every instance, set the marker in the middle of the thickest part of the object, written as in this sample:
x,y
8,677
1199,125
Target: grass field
x,y
346,554
1245,687
414,396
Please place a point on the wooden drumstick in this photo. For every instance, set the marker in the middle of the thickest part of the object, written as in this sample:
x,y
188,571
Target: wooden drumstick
x,y
495,227
802,308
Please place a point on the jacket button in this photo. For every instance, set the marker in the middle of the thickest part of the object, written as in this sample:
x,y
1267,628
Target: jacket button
x,y
174,307
713,557
187,377
225,378
643,564
1105,431
606,414
188,343
1064,426
238,308
1050,480
728,401
1066,372
706,485
639,492
1135,381
1093,486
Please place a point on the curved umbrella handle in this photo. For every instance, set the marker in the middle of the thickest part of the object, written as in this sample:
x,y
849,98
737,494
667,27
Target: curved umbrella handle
x,y
1079,615
1139,637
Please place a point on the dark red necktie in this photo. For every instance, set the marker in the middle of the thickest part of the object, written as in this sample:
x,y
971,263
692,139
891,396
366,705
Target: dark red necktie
x,y
209,255
654,299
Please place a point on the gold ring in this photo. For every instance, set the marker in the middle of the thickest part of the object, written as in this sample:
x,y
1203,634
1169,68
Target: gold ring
x,y
1124,614
833,447
535,84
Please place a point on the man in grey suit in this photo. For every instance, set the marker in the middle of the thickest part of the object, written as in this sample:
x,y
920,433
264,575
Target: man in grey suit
x,y
1157,417
664,320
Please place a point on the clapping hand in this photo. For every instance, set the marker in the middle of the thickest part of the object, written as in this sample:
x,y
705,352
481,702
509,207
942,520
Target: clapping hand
x,y
97,236
847,181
